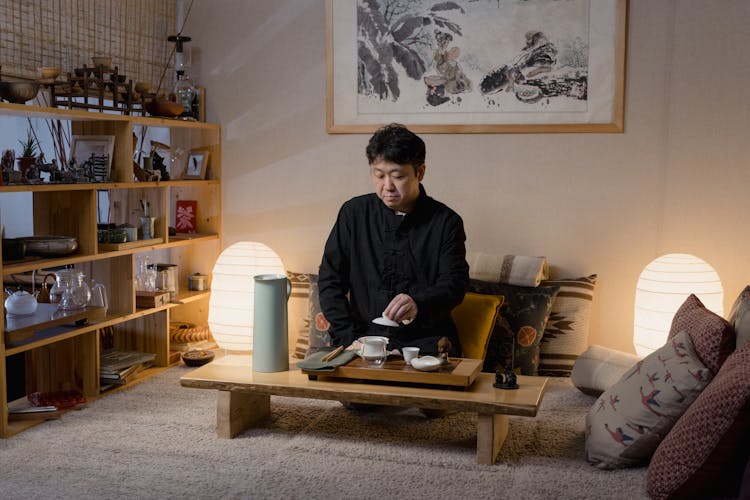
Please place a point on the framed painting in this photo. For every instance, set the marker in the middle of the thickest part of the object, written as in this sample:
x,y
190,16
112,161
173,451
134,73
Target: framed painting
x,y
197,162
476,66
94,151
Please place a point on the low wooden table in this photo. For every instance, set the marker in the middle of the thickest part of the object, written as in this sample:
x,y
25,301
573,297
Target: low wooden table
x,y
245,396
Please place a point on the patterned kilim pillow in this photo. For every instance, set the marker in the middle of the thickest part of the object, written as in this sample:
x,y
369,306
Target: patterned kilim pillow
x,y
707,447
629,419
515,339
567,332
319,325
299,311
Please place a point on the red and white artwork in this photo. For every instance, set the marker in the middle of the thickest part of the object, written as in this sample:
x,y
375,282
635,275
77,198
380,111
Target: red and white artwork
x,y
185,216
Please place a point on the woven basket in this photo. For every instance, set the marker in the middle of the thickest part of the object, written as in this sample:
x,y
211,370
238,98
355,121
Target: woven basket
x,y
182,332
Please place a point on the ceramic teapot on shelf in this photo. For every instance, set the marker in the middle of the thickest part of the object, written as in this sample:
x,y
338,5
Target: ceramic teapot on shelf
x,y
20,302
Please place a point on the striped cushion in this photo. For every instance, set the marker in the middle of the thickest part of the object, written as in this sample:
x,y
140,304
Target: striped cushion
x,y
567,332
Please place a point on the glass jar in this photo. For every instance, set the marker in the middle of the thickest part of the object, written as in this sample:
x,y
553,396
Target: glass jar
x,y
70,291
185,93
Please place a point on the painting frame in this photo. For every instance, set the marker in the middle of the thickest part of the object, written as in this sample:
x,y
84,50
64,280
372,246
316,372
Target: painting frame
x,y
83,146
196,165
605,84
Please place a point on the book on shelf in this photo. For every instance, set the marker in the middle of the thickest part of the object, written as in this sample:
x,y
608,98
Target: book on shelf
x,y
23,409
113,361
123,376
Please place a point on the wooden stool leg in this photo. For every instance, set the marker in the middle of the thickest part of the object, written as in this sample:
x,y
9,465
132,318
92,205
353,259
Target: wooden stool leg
x,y
492,429
238,411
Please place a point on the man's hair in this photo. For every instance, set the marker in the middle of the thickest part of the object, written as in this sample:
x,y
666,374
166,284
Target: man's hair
x,y
396,144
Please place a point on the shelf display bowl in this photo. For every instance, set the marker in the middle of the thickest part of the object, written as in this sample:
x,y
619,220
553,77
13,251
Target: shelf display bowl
x,y
197,357
48,74
162,107
18,92
102,61
50,246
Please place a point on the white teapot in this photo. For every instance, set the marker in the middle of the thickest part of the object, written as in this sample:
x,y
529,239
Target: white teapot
x,y
21,302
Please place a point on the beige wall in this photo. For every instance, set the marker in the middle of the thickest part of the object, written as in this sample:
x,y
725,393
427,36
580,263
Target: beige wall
x,y
675,181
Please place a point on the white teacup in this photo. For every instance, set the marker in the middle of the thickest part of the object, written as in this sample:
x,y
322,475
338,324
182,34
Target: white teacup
x,y
410,353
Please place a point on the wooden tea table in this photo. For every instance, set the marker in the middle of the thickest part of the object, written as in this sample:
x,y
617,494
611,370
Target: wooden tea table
x,y
244,397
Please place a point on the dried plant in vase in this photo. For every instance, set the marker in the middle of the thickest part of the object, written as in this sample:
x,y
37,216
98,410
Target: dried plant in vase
x,y
29,149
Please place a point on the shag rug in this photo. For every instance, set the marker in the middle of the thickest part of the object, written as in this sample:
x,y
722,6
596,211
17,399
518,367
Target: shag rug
x,y
157,440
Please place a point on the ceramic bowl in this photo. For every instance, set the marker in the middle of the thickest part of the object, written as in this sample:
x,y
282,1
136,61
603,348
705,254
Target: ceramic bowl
x,y
162,107
142,87
102,61
18,92
82,71
426,363
49,73
50,246
197,358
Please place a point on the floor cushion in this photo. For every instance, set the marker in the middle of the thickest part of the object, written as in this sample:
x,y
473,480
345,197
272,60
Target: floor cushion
x,y
629,419
598,368
707,447
566,334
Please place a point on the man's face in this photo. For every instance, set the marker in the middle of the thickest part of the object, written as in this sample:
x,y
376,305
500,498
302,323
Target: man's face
x,y
396,185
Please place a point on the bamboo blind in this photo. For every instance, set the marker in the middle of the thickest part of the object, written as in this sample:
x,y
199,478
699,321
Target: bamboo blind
x,y
68,33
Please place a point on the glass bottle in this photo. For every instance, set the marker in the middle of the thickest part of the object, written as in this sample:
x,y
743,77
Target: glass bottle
x,y
185,92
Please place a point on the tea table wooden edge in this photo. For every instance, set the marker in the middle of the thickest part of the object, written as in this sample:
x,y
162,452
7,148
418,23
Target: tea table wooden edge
x,y
242,405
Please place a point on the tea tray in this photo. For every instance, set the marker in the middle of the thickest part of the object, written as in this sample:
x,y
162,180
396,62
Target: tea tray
x,y
458,373
22,327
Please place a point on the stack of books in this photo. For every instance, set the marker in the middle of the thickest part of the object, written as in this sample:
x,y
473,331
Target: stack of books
x,y
120,367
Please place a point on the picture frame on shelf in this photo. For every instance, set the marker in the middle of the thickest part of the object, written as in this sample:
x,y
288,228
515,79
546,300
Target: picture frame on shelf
x,y
197,164
477,67
96,149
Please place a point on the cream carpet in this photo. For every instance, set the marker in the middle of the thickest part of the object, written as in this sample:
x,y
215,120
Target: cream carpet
x,y
157,440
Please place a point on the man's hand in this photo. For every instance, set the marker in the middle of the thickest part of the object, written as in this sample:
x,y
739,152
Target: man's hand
x,y
402,309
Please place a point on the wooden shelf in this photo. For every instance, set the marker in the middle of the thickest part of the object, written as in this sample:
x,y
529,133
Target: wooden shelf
x,y
23,110
64,354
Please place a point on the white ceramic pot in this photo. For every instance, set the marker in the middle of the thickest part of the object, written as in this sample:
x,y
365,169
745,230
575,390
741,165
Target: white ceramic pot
x,y
20,303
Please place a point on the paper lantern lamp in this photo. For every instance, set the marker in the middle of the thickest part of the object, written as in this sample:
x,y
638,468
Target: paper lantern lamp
x,y
662,287
230,308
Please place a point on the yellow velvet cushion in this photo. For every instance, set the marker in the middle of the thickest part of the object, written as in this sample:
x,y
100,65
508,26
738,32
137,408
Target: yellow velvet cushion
x,y
475,319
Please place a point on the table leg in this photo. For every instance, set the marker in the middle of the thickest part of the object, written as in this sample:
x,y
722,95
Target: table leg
x,y
492,429
237,411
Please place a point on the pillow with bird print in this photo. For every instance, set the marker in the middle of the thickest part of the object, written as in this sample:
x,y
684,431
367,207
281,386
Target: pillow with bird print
x,y
630,419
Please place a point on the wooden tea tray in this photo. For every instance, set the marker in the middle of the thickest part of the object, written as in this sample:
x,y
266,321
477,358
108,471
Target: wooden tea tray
x,y
19,328
459,372
111,247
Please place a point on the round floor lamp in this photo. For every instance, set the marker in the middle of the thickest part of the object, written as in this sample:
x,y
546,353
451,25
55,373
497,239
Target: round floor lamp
x,y
662,287
230,308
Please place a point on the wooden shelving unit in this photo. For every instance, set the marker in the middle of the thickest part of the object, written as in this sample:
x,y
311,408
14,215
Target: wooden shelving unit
x,y
63,357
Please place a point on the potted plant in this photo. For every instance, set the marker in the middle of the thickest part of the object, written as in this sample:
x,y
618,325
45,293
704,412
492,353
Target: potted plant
x,y
29,148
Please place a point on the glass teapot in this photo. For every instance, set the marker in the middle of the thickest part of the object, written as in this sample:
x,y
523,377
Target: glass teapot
x,y
70,291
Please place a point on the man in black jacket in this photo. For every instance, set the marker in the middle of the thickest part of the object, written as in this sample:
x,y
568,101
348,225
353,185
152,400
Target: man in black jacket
x,y
397,253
